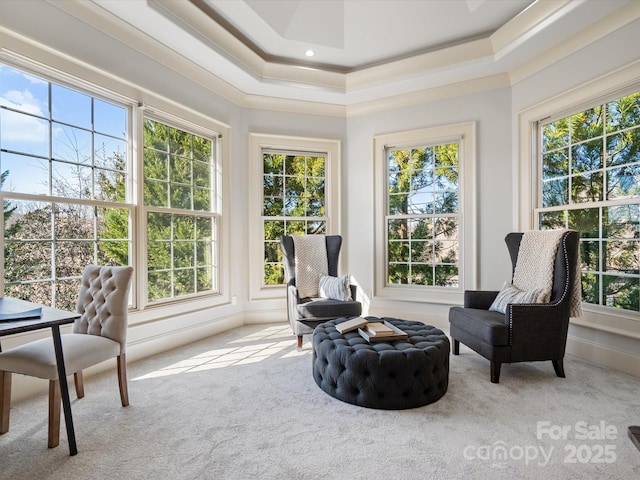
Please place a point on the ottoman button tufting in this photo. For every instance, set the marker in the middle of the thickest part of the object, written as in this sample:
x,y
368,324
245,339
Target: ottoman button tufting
x,y
401,374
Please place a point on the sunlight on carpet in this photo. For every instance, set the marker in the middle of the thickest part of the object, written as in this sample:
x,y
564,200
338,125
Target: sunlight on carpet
x,y
245,350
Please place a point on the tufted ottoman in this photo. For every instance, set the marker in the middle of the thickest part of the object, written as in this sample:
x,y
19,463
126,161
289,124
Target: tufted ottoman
x,y
389,375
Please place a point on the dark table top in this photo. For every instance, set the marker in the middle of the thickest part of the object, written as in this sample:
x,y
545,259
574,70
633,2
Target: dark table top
x,y
48,318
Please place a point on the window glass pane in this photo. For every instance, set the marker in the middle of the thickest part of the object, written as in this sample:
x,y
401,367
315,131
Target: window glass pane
x,y
109,152
71,144
623,182
621,221
552,220
622,148
24,174
70,106
623,113
586,188
40,292
555,135
621,292
555,164
109,119
587,124
587,156
24,133
23,92
398,273
156,135
71,180
590,255
316,228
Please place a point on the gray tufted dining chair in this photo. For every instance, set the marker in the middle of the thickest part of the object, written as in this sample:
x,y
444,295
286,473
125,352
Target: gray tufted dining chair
x,y
99,334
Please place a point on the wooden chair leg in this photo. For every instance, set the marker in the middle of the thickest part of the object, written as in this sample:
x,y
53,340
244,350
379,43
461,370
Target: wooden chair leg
x,y
54,413
558,366
456,347
495,372
5,400
122,380
78,380
299,342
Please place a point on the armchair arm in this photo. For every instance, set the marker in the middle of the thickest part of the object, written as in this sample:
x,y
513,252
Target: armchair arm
x,y
292,303
481,299
538,331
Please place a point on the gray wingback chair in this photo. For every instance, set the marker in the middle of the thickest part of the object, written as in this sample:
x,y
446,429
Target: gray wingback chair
x,y
526,332
304,314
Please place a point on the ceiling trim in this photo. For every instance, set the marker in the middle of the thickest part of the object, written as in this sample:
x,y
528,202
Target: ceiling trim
x,y
606,25
449,72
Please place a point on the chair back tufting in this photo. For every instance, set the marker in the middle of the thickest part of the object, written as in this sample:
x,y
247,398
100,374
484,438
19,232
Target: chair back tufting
x,y
103,302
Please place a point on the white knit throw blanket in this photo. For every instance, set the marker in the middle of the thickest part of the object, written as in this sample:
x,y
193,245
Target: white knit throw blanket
x,y
534,266
311,262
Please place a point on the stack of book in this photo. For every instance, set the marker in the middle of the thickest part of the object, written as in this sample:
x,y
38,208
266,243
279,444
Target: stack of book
x,y
374,331
378,329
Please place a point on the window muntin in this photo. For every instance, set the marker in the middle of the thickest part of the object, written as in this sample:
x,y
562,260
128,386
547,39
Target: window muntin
x,y
181,223
293,203
590,175
64,183
423,215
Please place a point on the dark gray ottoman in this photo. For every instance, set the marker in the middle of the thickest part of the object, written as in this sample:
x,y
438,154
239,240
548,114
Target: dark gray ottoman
x,y
395,375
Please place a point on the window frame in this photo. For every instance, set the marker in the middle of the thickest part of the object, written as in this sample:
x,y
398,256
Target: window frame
x,y
214,212
619,83
259,142
464,134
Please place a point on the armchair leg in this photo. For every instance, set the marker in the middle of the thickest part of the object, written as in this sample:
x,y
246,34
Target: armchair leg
x,y
456,347
495,372
634,435
122,380
299,342
54,413
5,401
558,366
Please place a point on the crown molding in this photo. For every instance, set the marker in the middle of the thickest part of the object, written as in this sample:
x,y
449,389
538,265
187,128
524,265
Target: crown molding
x,y
605,26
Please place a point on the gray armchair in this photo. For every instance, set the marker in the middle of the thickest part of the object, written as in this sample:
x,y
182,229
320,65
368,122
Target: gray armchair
x,y
304,314
526,331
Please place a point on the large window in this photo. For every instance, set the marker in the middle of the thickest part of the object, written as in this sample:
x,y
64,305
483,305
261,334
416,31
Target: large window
x,y
179,203
425,228
68,168
590,182
64,159
294,190
423,216
293,203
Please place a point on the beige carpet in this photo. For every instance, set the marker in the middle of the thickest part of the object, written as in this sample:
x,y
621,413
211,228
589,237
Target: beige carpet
x,y
243,405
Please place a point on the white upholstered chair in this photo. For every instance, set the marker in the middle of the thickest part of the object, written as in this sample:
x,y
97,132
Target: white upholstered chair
x,y
98,335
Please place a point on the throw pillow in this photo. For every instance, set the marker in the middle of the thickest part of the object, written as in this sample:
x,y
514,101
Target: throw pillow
x,y
511,294
335,288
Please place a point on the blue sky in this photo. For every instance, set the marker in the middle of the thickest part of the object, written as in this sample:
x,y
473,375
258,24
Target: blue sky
x,y
24,132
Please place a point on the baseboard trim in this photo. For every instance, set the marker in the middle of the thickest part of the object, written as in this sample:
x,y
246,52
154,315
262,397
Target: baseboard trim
x,y
604,356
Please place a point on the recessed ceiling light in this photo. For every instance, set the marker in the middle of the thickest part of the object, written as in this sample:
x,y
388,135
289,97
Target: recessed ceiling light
x,y
309,53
